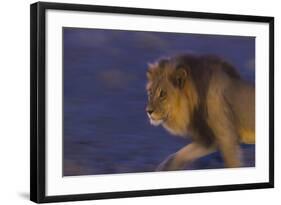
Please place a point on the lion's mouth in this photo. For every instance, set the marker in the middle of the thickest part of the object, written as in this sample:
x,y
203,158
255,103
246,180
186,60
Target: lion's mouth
x,y
154,121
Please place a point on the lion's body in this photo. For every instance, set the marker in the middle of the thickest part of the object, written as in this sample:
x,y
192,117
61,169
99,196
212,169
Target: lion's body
x,y
205,98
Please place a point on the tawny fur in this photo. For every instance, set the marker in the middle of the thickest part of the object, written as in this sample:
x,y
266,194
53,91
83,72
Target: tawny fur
x,y
202,97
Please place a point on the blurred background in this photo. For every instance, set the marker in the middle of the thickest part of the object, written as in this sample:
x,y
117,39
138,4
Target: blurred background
x,y
106,129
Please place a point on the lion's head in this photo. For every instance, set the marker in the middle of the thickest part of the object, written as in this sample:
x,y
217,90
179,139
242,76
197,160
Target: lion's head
x,y
171,95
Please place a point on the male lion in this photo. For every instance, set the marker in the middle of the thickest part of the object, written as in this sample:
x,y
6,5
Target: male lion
x,y
205,98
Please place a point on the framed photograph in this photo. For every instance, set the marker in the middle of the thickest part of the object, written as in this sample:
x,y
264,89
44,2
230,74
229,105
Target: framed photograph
x,y
129,102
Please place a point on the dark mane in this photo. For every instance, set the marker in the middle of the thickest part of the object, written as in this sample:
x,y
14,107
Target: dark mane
x,y
200,69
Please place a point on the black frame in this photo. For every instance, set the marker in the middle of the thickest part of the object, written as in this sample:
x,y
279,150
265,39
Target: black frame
x,y
38,95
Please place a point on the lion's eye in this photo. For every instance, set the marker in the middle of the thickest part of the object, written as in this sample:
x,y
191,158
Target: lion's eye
x,y
162,94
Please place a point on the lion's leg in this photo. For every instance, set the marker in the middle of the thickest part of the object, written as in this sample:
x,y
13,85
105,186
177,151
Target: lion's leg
x,y
227,140
227,143
220,119
184,157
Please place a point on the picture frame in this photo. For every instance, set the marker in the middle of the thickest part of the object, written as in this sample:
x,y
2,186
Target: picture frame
x,y
41,87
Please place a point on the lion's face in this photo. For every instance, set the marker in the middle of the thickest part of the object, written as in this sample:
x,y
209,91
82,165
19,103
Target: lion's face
x,y
164,91
159,93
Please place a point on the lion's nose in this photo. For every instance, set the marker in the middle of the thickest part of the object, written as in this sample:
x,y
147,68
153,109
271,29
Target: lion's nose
x,y
149,111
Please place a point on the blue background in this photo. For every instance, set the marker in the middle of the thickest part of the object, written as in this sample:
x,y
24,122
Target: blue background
x,y
106,129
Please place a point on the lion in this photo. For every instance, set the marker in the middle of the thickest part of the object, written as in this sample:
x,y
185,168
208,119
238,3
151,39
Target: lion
x,y
204,98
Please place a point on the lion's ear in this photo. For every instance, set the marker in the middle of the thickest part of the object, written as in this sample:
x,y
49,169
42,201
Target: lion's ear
x,y
179,77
